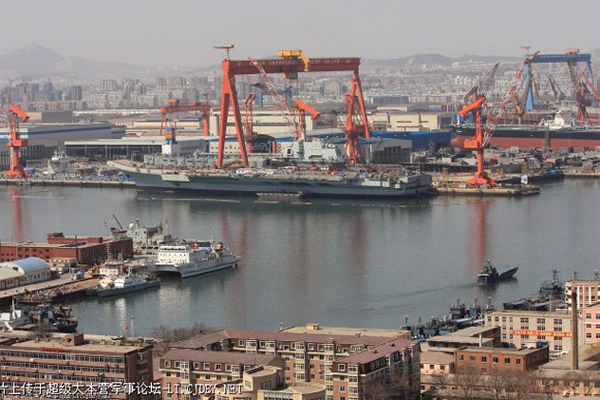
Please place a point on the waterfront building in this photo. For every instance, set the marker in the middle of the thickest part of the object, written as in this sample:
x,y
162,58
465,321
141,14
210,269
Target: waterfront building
x,y
586,291
23,272
348,361
85,250
102,366
526,328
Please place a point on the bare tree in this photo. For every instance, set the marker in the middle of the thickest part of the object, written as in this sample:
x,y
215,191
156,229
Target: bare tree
x,y
166,335
518,384
467,380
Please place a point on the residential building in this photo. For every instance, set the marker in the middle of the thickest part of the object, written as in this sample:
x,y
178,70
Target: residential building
x,y
488,336
67,365
325,355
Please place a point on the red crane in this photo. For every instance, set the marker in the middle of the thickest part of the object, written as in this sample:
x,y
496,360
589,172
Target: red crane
x,y
174,106
477,142
304,108
249,133
15,113
290,65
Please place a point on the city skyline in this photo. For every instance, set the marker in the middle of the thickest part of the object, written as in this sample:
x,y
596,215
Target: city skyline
x,y
183,36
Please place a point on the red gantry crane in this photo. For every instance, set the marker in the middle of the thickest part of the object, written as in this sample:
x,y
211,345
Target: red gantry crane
x,y
291,63
15,113
173,106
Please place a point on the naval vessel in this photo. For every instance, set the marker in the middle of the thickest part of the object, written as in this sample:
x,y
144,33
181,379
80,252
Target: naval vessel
x,y
180,175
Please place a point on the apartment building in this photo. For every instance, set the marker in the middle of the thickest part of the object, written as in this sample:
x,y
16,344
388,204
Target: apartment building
x,y
315,354
71,365
586,292
591,323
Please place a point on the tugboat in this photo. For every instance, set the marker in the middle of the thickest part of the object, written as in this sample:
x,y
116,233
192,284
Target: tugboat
x,y
490,275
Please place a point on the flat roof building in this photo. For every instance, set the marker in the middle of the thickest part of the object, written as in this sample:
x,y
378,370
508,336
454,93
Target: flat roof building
x,y
71,365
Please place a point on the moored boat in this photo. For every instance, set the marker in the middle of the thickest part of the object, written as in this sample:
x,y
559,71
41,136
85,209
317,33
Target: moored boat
x,y
191,259
124,284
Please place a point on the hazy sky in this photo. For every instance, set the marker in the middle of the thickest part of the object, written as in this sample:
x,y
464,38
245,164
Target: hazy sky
x,y
183,33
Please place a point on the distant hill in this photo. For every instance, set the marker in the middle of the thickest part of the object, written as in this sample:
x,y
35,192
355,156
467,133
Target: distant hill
x,y
435,60
36,60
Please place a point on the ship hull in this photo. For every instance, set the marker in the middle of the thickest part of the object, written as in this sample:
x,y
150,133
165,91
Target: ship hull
x,y
234,185
534,137
485,279
125,290
191,269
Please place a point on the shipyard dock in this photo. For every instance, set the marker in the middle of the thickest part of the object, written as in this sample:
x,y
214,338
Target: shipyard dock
x,y
64,285
498,191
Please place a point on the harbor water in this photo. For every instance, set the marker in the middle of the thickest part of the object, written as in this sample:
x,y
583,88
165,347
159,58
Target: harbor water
x,y
345,263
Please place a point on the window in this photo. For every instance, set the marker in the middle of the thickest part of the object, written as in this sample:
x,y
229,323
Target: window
x,y
206,367
483,359
507,361
524,320
518,361
461,357
558,321
588,315
442,367
431,366
342,367
342,388
541,320
472,359
167,364
495,360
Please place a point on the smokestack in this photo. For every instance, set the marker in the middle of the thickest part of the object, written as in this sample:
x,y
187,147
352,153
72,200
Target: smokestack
x,y
574,330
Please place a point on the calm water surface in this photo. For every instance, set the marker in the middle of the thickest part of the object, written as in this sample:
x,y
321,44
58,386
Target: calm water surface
x,y
363,263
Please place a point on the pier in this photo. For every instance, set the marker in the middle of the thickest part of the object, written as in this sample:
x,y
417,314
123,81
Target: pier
x,y
69,183
64,285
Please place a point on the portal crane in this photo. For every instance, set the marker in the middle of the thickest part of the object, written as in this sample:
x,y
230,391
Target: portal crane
x,y
173,106
291,65
476,143
15,113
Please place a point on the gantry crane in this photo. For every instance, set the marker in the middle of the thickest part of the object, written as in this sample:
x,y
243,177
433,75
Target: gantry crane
x,y
477,143
293,62
14,114
173,106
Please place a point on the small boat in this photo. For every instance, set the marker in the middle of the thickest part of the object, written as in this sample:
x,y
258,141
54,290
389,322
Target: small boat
x,y
489,274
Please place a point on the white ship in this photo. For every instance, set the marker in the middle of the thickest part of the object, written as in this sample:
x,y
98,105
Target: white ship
x,y
187,260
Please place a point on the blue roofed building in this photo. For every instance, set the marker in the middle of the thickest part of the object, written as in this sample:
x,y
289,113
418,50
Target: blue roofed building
x,y
23,272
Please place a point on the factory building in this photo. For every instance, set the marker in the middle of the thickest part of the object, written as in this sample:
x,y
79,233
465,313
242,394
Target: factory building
x,y
86,250
45,139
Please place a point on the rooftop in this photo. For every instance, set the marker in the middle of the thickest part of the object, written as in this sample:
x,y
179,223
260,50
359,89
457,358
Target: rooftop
x,y
527,313
289,336
378,351
224,357
328,330
500,350
107,346
436,357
